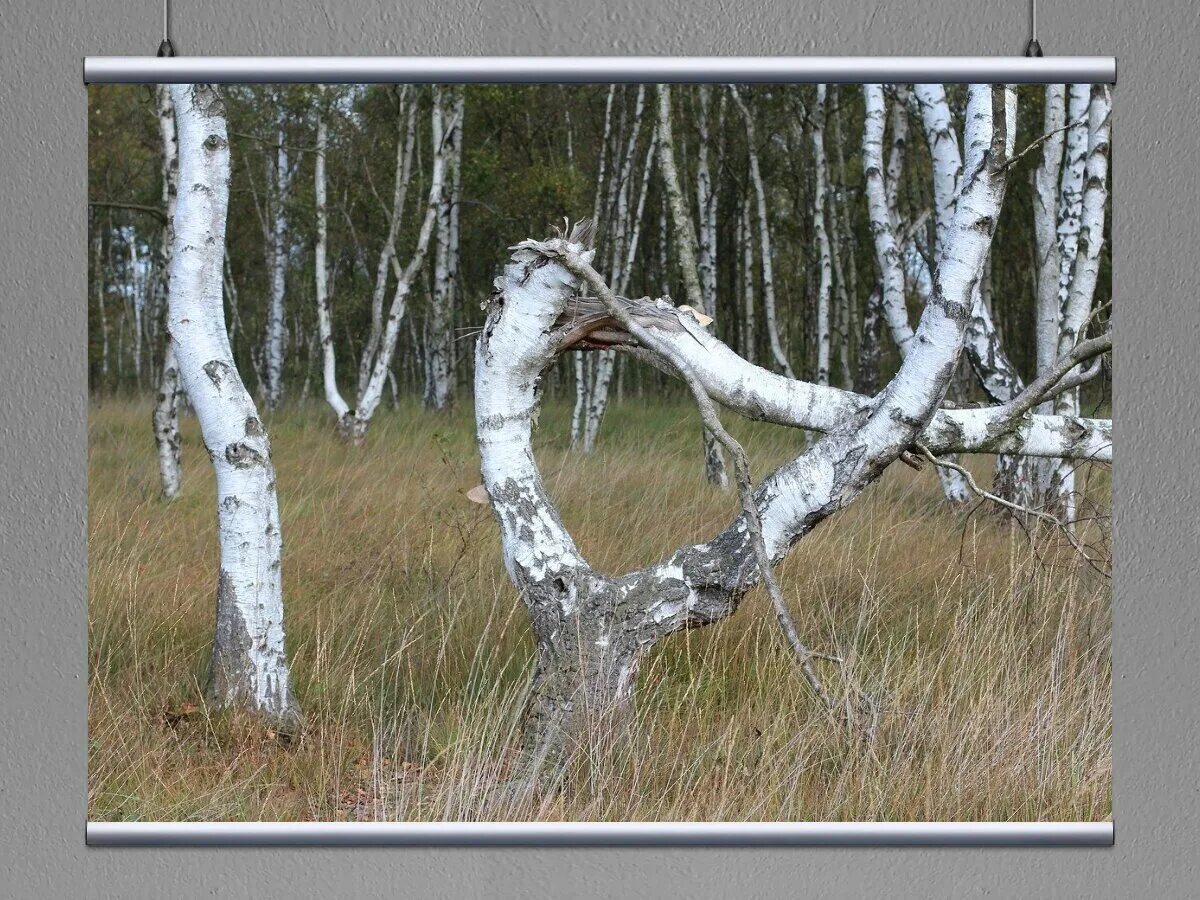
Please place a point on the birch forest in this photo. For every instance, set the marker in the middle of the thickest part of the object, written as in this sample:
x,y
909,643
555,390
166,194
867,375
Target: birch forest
x,y
600,452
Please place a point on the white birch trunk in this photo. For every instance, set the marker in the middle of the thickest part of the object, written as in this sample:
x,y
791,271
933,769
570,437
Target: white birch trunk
x,y
887,250
276,328
745,241
1086,269
167,439
764,236
1015,479
406,134
585,365
685,249
825,286
706,208
845,268
333,396
249,663
626,236
137,300
1070,199
884,218
438,394
1048,309
381,362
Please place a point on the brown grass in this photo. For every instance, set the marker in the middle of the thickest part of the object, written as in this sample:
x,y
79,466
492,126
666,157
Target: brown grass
x,y
410,648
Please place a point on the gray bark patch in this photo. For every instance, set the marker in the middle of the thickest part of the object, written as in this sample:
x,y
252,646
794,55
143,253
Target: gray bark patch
x,y
241,455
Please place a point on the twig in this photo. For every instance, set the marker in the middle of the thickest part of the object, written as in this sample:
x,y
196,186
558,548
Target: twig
x,y
132,207
1015,507
1082,120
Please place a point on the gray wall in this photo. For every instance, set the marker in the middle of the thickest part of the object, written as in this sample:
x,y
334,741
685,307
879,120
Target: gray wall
x,y
43,561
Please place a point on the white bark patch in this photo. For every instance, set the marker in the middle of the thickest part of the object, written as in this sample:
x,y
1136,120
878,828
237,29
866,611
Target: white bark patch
x,y
249,662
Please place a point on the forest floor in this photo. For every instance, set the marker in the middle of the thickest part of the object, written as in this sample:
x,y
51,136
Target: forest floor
x,y
988,659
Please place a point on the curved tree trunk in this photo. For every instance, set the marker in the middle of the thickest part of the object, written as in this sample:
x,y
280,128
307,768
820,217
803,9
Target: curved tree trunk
x,y
346,422
249,662
881,206
591,629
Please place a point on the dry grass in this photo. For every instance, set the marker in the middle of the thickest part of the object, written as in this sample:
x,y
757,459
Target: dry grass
x,y
410,649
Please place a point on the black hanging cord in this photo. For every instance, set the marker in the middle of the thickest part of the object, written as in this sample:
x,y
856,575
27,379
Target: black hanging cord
x,y
166,48
1033,48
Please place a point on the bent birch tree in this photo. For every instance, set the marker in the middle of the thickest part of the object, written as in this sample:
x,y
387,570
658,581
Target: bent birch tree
x,y
593,629
249,667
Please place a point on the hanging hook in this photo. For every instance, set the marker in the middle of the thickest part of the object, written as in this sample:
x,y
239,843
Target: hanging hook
x,y
166,48
1033,48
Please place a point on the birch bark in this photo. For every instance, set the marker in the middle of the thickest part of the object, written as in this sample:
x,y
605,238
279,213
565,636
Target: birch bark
x,y
745,240
165,419
764,236
825,287
1049,264
249,663
333,396
624,224
592,630
1086,268
281,174
685,249
439,375
381,361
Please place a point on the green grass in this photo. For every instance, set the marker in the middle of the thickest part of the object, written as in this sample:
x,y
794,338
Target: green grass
x,y
988,659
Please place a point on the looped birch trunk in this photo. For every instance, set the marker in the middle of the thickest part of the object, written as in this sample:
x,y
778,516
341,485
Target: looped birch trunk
x,y
249,663
593,629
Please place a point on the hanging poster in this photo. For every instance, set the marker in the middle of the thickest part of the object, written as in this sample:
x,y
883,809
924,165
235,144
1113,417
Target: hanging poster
x,y
599,453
